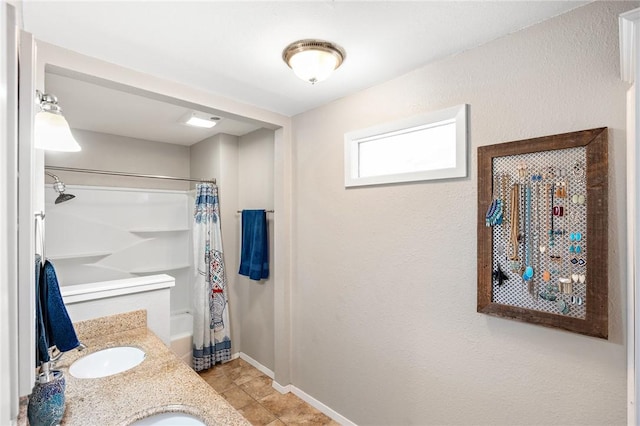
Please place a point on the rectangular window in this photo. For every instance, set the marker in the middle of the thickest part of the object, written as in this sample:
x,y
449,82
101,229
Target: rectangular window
x,y
425,147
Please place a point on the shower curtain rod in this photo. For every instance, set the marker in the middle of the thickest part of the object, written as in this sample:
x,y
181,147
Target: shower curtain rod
x,y
139,175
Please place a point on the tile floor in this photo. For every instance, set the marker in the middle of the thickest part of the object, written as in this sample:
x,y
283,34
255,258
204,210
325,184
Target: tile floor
x,y
250,392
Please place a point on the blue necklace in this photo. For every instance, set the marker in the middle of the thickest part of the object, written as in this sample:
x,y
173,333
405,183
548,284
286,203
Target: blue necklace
x,y
528,271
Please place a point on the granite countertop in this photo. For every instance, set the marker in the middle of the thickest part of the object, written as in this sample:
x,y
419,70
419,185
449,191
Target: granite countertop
x,y
161,383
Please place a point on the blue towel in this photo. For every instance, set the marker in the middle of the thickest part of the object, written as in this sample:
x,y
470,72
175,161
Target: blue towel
x,y
42,344
58,328
254,260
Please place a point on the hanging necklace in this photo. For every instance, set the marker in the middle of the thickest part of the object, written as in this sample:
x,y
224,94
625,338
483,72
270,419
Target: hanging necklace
x,y
566,282
573,248
504,184
528,271
494,212
514,225
546,275
539,248
550,213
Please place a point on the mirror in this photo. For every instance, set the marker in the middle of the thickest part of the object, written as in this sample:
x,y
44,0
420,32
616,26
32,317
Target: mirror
x,y
106,227
275,175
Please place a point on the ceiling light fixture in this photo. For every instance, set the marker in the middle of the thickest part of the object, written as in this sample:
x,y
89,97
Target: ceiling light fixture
x,y
51,130
313,60
200,119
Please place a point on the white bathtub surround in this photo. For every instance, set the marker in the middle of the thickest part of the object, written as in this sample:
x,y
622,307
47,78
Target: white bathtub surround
x,y
111,233
99,299
181,325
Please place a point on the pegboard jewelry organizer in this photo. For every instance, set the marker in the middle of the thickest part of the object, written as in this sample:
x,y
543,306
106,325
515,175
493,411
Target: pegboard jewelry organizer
x,y
552,194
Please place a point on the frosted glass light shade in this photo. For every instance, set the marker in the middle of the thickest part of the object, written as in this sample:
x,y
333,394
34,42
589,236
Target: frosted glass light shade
x,y
313,65
313,60
52,133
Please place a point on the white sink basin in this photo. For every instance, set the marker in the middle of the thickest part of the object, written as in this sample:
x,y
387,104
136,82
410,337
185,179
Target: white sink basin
x,y
169,419
107,362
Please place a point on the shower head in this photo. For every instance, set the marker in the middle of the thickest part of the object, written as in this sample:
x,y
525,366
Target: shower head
x,y
60,187
64,197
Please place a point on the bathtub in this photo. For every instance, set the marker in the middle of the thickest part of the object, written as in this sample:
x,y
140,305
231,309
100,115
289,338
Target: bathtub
x,y
181,326
99,299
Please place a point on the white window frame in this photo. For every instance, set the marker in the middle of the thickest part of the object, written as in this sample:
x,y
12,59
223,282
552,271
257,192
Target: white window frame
x,y
352,140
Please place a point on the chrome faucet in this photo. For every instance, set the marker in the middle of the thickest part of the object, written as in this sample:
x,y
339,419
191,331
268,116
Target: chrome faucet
x,y
53,359
45,369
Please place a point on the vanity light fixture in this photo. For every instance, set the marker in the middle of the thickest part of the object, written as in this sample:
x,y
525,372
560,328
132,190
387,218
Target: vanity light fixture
x,y
200,119
313,60
52,131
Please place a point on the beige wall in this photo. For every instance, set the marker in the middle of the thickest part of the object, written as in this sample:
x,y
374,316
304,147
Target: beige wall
x,y
385,328
103,151
255,185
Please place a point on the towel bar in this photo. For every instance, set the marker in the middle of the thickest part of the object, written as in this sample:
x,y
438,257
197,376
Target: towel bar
x,y
39,231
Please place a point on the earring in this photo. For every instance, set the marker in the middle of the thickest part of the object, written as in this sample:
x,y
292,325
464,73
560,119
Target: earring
x,y
576,300
547,296
551,173
577,199
562,306
522,168
579,172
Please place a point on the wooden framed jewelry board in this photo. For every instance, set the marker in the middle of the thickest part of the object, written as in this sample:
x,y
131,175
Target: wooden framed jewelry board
x,y
542,231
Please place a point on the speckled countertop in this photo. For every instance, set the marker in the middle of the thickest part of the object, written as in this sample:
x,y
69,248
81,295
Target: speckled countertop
x,y
160,383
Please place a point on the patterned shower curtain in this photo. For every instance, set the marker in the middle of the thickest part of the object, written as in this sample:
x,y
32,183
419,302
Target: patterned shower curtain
x,y
211,332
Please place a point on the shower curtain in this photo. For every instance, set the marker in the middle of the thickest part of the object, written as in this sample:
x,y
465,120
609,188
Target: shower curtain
x,y
211,332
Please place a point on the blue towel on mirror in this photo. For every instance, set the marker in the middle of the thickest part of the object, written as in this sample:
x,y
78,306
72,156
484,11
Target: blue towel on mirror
x,y
58,328
254,260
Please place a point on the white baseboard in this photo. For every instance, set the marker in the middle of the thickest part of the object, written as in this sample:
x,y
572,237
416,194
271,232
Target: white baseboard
x,y
321,407
257,365
297,392
282,389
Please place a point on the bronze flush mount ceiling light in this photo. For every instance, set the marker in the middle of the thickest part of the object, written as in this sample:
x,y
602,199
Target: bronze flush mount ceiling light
x,y
313,60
